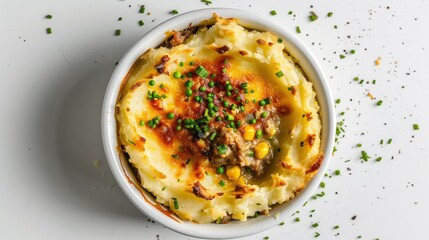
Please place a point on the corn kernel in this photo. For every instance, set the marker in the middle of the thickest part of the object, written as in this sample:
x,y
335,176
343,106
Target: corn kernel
x,y
241,181
261,150
249,133
233,173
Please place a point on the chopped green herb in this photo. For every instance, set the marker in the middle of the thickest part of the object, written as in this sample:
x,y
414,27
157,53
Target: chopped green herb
x,y
338,101
322,184
142,9
176,203
298,29
416,126
279,40
201,71
329,14
120,19
221,183
221,149
163,188
117,32
352,51
342,56
290,13
297,219
378,159
316,234
258,133
273,13
313,16
337,172
364,156
389,141
336,227
279,74
207,2
49,16
359,145
379,103
356,78
174,12
282,223
141,23
220,169
315,225
49,30
212,136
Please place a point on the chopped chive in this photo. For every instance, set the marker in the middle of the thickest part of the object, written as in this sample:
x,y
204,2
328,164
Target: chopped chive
x,y
379,103
176,203
290,13
322,184
279,74
174,12
359,145
316,234
141,23
342,56
212,136
352,51
117,32
338,101
315,225
389,141
378,159
142,9
207,2
221,149
273,13
313,16
182,64
297,219
279,40
336,227
364,156
329,14
258,133
356,78
201,71
163,188
416,126
298,29
221,183
120,19
48,30
49,16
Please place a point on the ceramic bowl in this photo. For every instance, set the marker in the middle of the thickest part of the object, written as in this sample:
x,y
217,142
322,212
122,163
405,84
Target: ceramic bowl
x,y
124,175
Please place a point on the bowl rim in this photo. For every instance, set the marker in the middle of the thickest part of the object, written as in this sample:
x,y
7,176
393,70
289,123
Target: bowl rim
x,y
152,39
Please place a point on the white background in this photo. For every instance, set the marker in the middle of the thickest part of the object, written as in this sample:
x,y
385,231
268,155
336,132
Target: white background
x,y
51,92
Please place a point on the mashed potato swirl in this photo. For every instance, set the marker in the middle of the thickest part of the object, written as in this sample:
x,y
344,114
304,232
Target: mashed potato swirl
x,y
220,123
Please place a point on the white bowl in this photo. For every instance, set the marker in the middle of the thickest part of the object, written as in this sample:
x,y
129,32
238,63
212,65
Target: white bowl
x,y
123,173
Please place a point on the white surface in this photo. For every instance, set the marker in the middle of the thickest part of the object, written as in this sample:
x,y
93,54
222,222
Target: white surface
x,y
110,133
52,86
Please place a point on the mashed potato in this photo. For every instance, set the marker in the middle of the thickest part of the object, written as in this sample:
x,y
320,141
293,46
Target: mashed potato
x,y
220,123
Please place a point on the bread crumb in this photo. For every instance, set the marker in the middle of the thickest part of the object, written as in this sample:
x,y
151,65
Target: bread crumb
x,y
377,61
